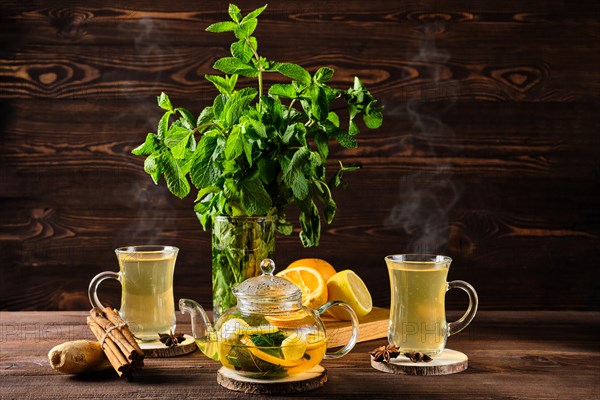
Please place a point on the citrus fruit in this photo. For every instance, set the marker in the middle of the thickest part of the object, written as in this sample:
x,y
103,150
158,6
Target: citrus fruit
x,y
294,320
323,267
293,347
312,284
256,351
346,286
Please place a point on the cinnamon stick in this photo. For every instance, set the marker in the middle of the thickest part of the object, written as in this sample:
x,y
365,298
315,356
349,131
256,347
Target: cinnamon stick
x,y
116,319
115,357
117,336
119,344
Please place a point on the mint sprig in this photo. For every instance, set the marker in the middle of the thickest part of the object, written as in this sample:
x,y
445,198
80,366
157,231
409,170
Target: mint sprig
x,y
254,151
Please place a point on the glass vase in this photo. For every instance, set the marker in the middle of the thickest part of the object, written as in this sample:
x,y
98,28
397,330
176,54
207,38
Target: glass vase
x,y
238,246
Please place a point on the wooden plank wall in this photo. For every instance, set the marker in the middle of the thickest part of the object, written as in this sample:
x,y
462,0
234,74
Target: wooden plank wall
x,y
489,150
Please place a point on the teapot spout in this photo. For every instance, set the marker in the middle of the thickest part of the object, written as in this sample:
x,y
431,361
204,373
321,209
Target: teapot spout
x,y
202,329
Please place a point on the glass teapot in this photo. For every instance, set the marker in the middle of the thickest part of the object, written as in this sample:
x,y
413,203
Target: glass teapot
x,y
269,334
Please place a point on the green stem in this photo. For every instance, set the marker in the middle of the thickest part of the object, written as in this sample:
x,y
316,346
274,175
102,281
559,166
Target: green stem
x,y
290,109
260,86
260,71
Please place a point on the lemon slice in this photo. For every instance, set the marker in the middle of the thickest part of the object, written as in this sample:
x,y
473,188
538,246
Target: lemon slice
x,y
291,320
314,340
267,357
310,281
346,286
293,347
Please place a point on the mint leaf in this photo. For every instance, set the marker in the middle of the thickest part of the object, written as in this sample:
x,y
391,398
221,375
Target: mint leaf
x,y
164,102
219,105
266,170
246,28
324,194
295,133
153,166
294,71
322,142
207,190
177,142
227,26
232,65
221,83
259,128
319,103
288,134
353,129
310,222
244,49
300,186
283,90
334,119
237,104
205,116
235,144
187,117
146,148
151,163
175,178
372,116
163,125
323,74
204,171
254,198
235,13
255,13
294,176
346,140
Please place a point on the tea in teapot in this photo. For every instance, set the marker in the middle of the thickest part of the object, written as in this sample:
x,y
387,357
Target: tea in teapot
x,y
269,334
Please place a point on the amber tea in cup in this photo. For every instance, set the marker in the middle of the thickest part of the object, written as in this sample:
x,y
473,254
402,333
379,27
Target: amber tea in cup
x,y
147,301
417,311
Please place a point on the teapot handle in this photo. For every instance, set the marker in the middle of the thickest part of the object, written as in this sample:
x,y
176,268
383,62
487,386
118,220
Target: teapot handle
x,y
353,319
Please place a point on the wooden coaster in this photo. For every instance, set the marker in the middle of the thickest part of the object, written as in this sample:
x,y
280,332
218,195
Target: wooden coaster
x,y
448,362
309,380
159,350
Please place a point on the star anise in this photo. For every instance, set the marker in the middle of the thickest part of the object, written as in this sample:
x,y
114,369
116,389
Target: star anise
x,y
418,357
171,339
384,353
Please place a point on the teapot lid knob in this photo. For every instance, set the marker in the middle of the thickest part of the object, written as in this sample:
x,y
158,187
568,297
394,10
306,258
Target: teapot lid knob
x,y
267,287
267,266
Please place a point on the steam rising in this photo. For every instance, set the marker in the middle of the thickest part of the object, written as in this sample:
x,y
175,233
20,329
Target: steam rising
x,y
146,205
425,198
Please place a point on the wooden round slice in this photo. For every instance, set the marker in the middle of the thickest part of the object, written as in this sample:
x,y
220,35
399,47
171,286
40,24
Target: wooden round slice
x,y
309,380
448,362
159,350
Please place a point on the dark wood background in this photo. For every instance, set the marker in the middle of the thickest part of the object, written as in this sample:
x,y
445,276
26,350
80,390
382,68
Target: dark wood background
x,y
489,152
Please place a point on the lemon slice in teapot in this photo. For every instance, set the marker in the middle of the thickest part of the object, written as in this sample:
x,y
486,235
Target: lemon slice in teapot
x,y
293,347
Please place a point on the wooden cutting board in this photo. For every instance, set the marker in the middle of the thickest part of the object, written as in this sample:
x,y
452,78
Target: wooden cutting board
x,y
372,326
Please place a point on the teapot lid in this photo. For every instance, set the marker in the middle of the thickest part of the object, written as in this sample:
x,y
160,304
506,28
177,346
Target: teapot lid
x,y
267,287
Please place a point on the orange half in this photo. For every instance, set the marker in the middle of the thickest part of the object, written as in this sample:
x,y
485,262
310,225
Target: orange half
x,y
310,281
323,267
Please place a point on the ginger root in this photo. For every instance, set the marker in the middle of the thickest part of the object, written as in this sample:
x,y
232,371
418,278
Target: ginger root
x,y
77,357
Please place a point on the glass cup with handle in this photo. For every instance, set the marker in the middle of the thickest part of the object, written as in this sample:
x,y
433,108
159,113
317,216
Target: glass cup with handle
x,y
417,311
147,301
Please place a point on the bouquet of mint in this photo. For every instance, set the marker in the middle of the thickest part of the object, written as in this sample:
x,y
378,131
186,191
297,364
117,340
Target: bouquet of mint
x,y
256,150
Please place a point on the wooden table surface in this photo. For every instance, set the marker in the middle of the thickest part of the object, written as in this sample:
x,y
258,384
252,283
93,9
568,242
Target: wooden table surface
x,y
512,355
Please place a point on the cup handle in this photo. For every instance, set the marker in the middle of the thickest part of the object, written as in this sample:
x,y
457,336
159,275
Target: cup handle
x,y
457,326
354,320
93,288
